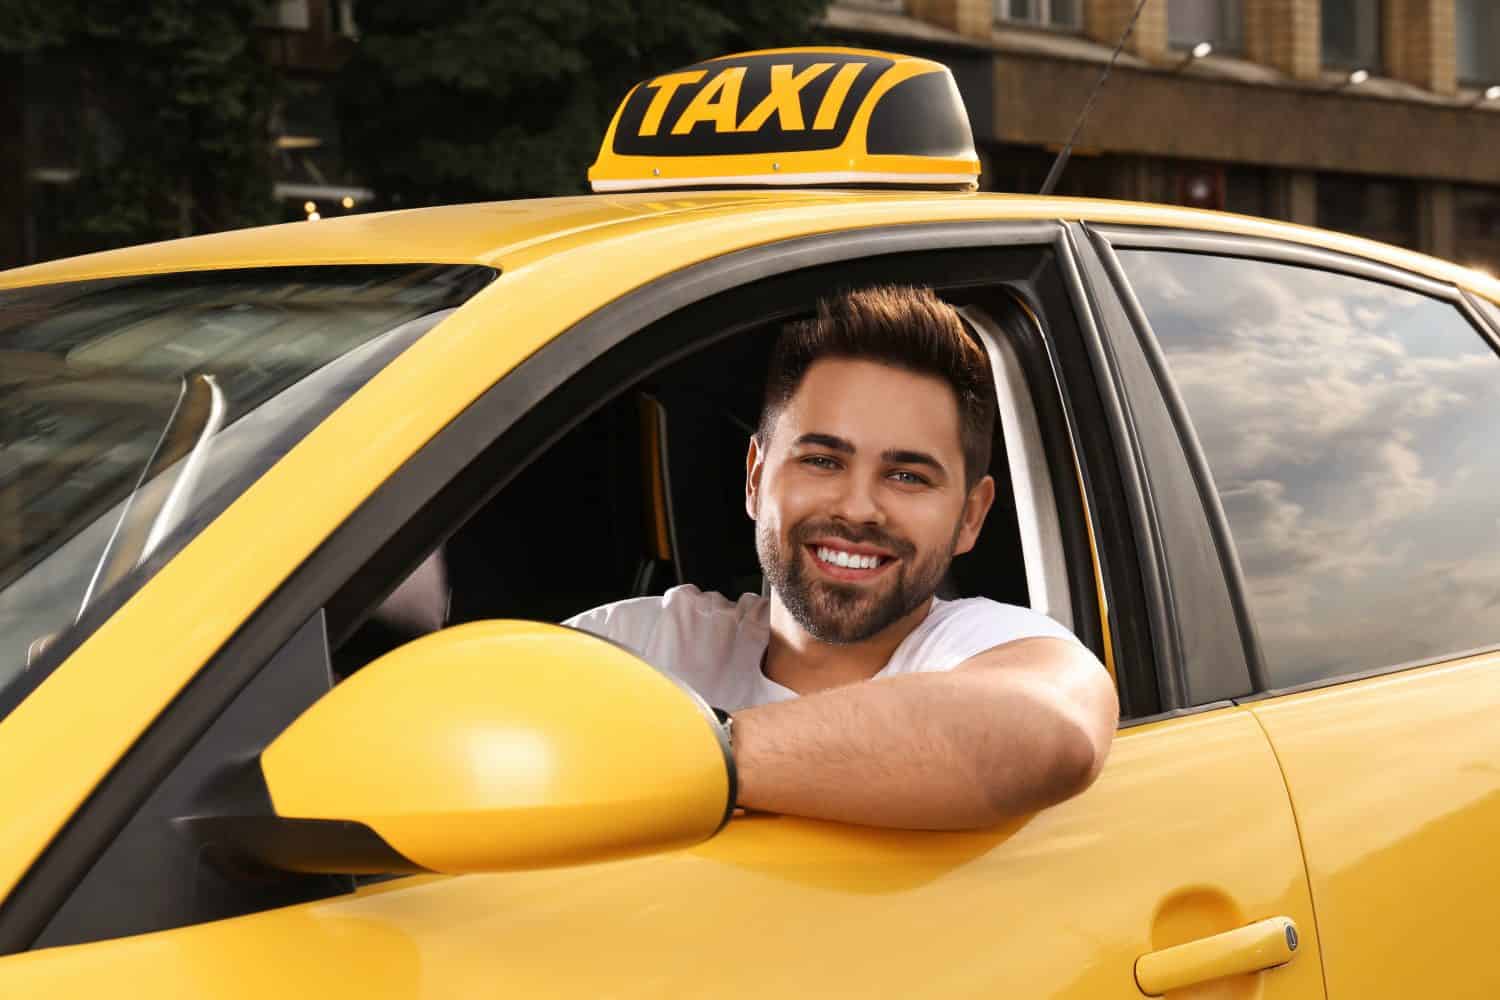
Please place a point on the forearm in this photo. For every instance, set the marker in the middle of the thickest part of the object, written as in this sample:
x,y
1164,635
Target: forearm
x,y
952,750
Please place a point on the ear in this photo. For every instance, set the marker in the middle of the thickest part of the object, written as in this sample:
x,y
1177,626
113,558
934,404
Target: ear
x,y
976,506
754,462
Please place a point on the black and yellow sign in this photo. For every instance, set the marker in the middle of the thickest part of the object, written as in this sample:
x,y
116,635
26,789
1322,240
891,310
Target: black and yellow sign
x,y
791,116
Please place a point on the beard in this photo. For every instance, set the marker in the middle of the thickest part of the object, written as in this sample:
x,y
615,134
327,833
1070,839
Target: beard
x,y
840,613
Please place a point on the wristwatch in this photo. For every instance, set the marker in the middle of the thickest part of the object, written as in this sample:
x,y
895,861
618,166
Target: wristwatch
x,y
726,723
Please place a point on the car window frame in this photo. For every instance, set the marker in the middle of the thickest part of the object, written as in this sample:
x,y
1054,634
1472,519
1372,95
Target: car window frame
x,y
1200,659
530,398
1110,238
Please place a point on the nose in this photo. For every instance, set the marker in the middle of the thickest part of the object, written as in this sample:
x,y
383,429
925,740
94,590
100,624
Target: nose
x,y
857,502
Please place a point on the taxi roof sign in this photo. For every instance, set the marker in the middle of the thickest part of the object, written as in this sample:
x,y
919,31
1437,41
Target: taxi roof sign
x,y
809,116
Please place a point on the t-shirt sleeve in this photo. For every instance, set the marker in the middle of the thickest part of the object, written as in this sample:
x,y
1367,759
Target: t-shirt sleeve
x,y
631,623
966,628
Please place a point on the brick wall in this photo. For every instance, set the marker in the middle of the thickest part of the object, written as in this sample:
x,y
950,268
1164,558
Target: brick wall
x,y
1420,46
1106,19
974,18
1286,34
1299,128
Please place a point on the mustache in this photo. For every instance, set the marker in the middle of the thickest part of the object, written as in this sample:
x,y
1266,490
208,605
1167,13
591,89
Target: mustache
x,y
805,532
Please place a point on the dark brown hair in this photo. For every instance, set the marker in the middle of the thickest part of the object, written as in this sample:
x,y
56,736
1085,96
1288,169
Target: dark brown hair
x,y
897,325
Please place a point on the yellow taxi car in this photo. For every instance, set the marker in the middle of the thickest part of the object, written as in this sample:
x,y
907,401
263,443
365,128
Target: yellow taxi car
x,y
286,516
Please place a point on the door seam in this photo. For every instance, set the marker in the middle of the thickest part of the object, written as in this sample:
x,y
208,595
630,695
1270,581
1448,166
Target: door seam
x,y
1312,896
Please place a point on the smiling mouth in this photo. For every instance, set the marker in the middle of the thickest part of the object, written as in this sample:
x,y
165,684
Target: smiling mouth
x,y
848,564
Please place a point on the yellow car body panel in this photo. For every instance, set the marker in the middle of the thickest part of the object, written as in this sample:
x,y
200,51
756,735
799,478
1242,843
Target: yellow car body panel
x,y
1395,781
438,937
779,906
506,234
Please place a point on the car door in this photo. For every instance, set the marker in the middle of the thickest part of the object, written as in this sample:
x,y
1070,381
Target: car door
x,y
1187,839
1345,415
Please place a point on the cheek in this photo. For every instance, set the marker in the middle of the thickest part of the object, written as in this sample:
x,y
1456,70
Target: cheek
x,y
790,497
929,524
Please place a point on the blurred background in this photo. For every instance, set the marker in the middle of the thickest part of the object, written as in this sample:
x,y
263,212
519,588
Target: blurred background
x,y
124,122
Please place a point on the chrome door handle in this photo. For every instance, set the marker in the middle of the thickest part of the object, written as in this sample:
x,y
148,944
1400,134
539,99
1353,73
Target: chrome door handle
x,y
1255,947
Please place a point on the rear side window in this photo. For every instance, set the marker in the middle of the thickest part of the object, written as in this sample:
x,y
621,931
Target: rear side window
x,y
1349,428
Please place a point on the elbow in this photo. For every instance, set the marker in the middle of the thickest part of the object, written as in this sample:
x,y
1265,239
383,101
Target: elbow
x,y
1065,759
1076,764
1086,731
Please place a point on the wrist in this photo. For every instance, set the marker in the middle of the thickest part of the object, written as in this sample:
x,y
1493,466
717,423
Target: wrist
x,y
726,731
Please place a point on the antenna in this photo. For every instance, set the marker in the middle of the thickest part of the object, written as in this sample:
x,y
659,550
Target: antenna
x,y
1055,174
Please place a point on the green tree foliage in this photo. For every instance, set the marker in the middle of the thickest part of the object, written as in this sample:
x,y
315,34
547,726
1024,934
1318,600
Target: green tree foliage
x,y
167,108
463,100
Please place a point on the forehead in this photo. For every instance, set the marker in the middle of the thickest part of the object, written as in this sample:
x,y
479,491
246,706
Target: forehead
x,y
873,405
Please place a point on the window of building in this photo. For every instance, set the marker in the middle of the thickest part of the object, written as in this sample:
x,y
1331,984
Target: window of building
x,y
344,19
1217,186
1477,24
290,15
1348,427
1221,22
1375,208
1351,33
1049,13
1476,213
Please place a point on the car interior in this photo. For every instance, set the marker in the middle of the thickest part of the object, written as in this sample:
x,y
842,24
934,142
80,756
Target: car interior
x,y
644,494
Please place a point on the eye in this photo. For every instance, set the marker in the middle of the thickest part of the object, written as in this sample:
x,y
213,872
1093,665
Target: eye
x,y
820,462
908,478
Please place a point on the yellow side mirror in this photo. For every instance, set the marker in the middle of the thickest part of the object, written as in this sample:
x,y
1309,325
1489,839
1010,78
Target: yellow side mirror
x,y
489,747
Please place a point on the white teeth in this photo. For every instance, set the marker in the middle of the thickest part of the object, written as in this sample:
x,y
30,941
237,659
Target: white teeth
x,y
838,558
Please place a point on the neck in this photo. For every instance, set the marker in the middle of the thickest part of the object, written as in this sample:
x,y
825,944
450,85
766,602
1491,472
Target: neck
x,y
796,660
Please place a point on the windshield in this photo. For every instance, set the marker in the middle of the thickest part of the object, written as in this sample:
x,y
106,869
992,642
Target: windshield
x,y
132,411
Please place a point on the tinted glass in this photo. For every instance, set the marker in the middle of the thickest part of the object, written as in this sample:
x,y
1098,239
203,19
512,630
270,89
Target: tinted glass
x,y
134,410
1351,33
1477,24
1349,427
1376,209
1221,22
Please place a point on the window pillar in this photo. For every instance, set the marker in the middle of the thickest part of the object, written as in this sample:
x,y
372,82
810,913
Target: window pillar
x,y
1297,197
1436,220
1421,44
1105,21
972,18
1286,34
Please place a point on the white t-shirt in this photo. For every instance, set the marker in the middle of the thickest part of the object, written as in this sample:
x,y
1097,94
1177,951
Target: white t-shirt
x,y
715,645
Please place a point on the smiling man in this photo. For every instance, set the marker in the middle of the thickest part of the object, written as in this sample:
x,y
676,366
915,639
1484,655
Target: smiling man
x,y
856,694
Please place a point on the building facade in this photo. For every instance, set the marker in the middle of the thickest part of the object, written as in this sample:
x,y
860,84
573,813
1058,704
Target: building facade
x,y
1374,117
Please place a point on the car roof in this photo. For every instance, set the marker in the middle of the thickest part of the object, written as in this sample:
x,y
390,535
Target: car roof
x,y
511,233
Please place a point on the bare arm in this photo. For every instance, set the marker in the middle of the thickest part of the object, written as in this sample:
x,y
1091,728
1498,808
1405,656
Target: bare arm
x,y
1014,729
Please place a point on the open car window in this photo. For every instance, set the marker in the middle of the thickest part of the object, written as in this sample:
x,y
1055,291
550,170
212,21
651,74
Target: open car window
x,y
648,493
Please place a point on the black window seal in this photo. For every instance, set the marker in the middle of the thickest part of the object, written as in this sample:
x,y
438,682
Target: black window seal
x,y
64,862
1278,251
1365,675
1208,495
1151,565
1483,314
1176,713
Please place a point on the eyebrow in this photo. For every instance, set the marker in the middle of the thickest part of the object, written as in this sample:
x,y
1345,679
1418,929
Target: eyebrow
x,y
894,456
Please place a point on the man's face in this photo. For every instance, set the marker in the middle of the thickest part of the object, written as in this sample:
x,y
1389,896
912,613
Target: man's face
x,y
858,497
